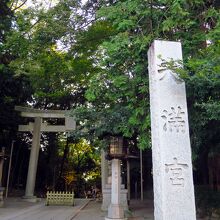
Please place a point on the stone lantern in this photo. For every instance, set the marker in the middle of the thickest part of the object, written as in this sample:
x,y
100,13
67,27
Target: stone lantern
x,y
116,151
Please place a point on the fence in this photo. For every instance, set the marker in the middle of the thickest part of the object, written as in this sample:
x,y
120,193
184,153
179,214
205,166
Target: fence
x,y
1,197
60,198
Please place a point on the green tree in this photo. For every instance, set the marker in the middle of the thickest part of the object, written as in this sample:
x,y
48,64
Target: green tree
x,y
82,161
14,89
118,95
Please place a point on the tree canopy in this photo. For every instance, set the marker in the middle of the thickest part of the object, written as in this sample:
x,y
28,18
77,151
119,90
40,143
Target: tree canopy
x,y
91,57
118,94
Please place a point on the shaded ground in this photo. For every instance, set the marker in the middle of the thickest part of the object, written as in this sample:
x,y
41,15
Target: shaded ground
x,y
84,209
141,210
17,209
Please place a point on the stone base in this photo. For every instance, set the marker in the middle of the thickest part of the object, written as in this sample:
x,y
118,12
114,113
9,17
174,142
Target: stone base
x,y
30,198
2,204
115,211
106,198
109,186
106,218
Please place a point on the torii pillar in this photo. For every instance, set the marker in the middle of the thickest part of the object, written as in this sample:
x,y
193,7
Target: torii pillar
x,y
37,127
33,161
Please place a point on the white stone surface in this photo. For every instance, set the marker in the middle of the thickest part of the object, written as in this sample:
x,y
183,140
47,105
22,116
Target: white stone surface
x,y
107,185
116,181
172,166
115,209
106,198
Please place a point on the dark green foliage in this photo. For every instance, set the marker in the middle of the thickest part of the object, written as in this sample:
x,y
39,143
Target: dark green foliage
x,y
94,57
14,90
5,19
124,81
207,202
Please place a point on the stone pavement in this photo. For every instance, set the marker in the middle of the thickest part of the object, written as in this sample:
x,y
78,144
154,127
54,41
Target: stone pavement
x,y
92,211
84,209
138,211
141,210
18,209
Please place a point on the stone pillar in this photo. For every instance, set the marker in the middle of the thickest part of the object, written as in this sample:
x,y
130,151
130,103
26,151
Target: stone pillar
x,y
33,161
2,189
141,172
116,210
171,152
1,170
128,181
104,169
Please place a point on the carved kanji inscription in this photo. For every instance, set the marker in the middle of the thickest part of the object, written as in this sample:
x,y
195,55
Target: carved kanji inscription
x,y
176,172
174,119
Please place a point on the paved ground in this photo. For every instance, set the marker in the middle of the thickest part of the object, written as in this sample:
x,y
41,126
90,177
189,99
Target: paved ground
x,y
139,211
91,212
84,209
17,209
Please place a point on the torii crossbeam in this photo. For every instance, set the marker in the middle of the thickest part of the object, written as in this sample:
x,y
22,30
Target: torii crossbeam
x,y
37,127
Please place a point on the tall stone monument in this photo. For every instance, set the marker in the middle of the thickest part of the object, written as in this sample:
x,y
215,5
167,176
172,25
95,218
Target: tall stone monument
x,y
172,166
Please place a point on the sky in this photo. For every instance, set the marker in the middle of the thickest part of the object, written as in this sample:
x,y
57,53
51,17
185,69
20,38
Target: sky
x,y
46,3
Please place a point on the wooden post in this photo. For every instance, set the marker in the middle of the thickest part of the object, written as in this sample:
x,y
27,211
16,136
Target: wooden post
x,y
141,171
9,169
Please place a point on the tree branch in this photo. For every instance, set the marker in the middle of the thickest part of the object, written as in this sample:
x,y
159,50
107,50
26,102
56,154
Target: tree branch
x,y
19,6
13,4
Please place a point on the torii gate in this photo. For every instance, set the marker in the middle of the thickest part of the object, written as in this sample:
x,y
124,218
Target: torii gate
x,y
37,127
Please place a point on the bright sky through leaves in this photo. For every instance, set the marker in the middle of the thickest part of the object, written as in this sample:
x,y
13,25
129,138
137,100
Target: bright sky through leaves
x,y
45,3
